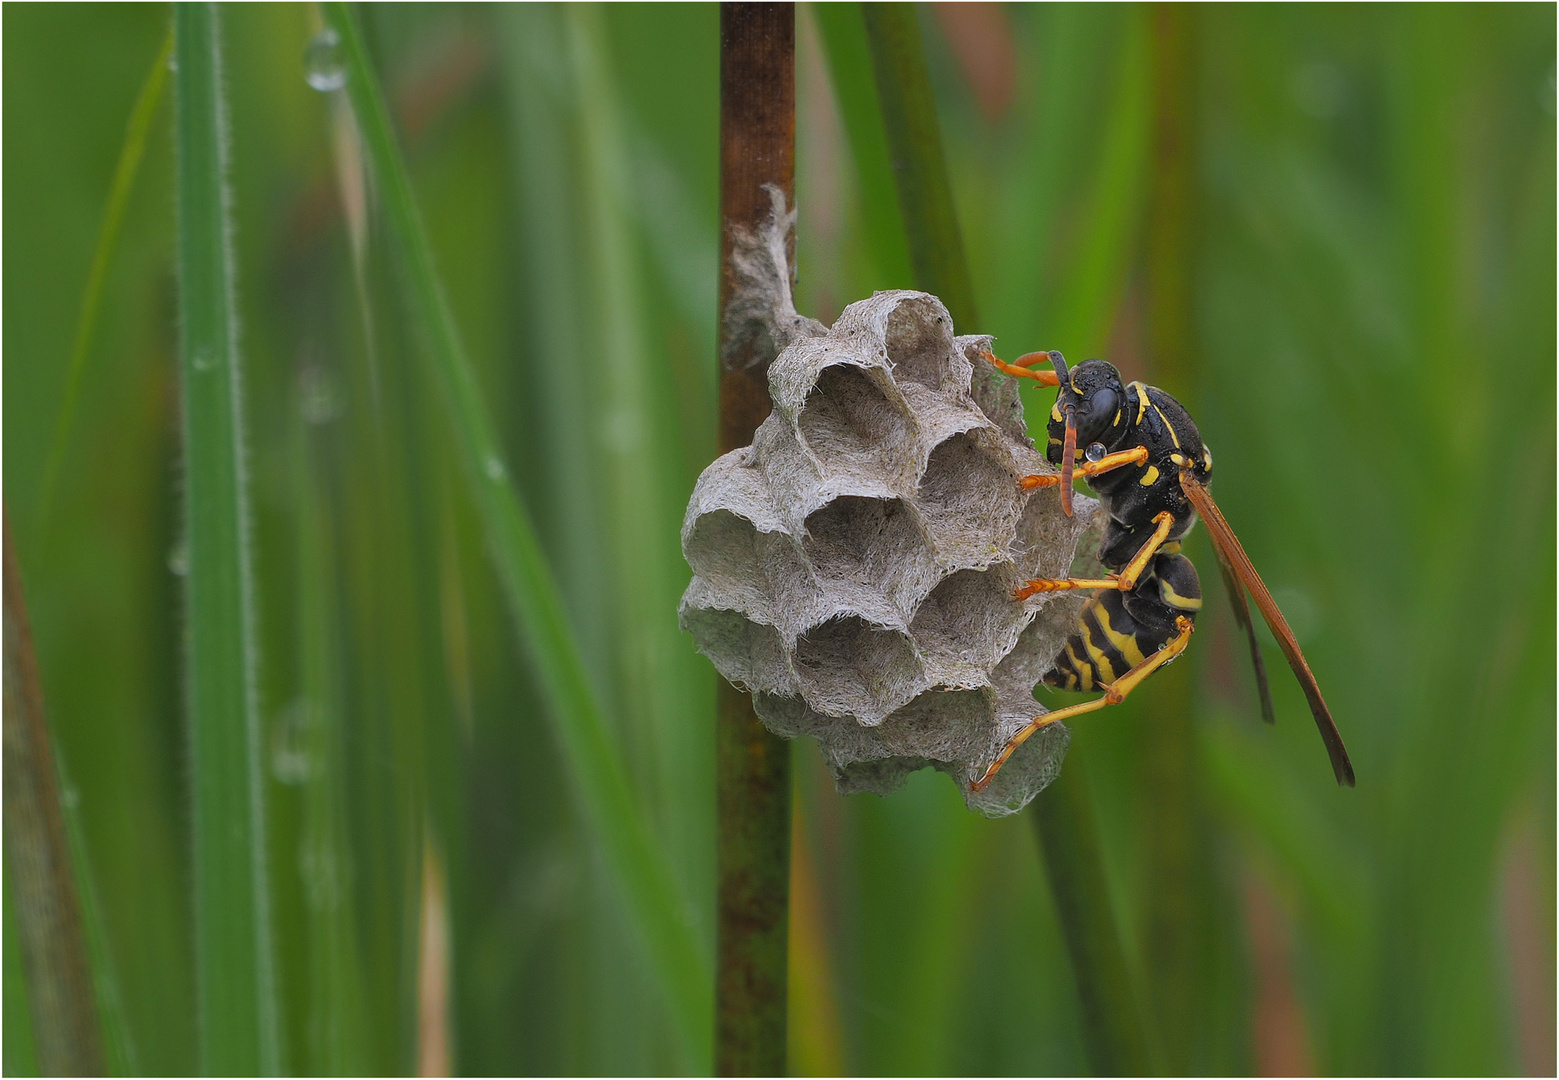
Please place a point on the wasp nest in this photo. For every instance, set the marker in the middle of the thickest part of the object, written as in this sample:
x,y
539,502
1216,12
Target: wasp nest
x,y
853,567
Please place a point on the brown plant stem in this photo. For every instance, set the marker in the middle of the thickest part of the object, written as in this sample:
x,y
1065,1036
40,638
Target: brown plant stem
x,y
54,945
757,147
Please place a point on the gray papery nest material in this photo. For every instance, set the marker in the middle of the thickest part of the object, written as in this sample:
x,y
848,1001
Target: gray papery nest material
x,y
853,567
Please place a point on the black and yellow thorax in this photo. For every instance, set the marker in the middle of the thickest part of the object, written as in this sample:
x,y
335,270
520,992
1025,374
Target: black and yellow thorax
x,y
1118,629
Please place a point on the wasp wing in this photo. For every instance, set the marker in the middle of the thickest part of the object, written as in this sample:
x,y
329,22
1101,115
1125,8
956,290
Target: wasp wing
x,y
1242,616
1232,555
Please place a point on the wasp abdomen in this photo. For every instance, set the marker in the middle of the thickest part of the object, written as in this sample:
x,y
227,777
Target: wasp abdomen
x,y
1117,630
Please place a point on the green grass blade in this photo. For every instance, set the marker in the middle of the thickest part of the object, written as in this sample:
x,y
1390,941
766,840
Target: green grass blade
x,y
850,69
626,470
125,172
1070,843
936,247
597,772
119,1047
21,1056
232,937
1087,302
1113,1027
662,682
337,1036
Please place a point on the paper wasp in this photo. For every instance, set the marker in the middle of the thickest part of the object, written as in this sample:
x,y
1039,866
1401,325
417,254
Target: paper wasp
x,y
1140,451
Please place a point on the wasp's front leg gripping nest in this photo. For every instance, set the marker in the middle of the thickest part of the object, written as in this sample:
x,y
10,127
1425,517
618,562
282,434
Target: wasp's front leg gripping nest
x,y
853,567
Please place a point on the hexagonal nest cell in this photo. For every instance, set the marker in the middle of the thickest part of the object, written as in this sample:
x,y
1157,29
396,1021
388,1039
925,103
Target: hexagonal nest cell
x,y
853,568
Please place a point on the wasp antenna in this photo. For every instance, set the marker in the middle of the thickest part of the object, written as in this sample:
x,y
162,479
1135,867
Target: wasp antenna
x,y
1058,362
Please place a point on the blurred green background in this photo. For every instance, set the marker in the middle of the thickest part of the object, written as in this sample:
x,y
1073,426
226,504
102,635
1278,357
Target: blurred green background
x,y
1363,267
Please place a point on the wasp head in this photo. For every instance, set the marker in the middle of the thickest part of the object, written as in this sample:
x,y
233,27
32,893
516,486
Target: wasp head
x,y
1089,401
1087,408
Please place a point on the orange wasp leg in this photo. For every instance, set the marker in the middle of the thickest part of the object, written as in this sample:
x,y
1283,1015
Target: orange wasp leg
x,y
1125,581
1039,585
1020,368
1136,456
1114,694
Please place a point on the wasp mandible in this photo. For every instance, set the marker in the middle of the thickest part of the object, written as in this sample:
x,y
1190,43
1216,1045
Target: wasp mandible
x,y
1140,451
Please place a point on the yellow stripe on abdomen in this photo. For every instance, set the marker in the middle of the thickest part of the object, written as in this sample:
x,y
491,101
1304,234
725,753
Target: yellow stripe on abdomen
x,y
1084,670
1100,658
1180,603
1124,644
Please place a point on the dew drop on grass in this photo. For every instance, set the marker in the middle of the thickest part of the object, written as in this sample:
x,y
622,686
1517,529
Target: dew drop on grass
x,y
178,559
317,395
291,762
322,66
204,360
321,878
494,469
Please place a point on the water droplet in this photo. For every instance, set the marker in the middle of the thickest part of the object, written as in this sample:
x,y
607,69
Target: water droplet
x,y
321,877
178,559
70,795
322,66
494,469
1547,89
291,762
204,360
317,396
1095,452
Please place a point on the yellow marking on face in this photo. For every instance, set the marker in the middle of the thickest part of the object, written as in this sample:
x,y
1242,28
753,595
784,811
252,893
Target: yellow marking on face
x,y
1175,600
1071,379
1055,411
1150,477
1054,441
1180,459
1124,644
1174,436
1117,421
1207,459
1142,398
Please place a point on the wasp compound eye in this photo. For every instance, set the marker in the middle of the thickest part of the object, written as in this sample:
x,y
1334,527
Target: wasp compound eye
x,y
854,567
1096,414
